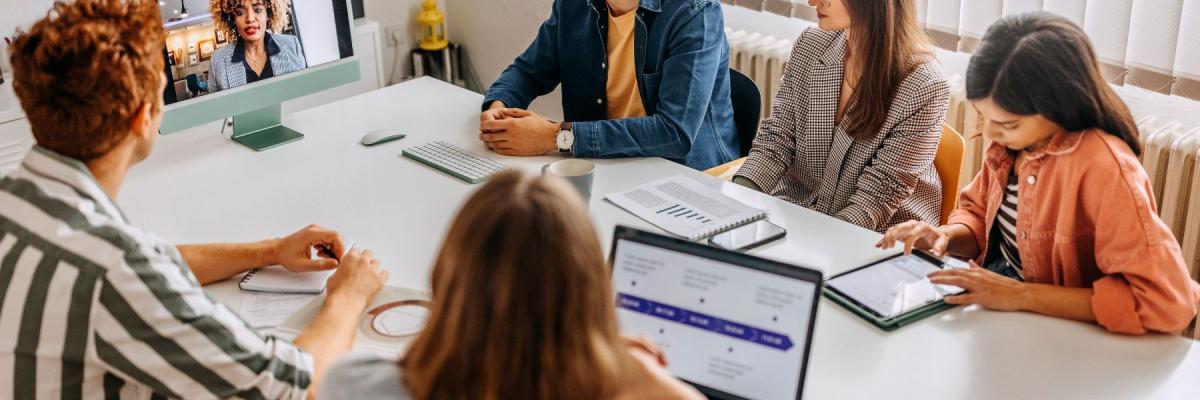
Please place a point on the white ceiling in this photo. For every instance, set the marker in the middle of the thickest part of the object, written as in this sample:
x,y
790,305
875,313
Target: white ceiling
x,y
170,8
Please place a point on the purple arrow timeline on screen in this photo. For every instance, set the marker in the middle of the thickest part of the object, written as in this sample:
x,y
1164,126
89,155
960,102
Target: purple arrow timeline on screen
x,y
704,321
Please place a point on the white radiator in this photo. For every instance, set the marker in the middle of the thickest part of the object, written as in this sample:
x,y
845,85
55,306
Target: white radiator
x,y
1169,157
762,59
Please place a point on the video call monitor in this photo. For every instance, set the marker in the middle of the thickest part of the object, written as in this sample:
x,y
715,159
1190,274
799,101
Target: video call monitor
x,y
206,48
242,58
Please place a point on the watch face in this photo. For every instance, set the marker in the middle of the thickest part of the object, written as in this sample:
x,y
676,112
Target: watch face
x,y
565,139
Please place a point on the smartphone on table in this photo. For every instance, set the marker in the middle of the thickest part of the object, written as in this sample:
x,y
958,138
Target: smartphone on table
x,y
748,236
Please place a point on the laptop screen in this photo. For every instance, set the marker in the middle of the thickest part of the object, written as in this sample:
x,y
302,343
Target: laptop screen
x,y
736,326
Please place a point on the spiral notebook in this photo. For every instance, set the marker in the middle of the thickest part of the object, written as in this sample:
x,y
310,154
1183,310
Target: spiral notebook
x,y
277,279
685,207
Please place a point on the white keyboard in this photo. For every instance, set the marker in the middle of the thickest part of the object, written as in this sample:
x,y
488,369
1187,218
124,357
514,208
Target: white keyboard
x,y
454,161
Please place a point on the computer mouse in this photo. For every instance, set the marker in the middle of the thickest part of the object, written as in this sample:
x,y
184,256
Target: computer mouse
x,y
381,136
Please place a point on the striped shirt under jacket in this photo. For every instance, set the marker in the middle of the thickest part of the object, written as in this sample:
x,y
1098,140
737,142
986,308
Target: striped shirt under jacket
x,y
93,307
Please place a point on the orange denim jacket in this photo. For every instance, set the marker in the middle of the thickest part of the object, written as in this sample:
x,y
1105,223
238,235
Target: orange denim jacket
x,y
1086,218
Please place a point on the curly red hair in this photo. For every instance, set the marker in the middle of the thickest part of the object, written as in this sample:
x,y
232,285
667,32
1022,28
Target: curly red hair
x,y
84,70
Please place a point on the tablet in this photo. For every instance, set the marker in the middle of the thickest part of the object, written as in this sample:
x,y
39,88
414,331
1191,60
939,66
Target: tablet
x,y
894,291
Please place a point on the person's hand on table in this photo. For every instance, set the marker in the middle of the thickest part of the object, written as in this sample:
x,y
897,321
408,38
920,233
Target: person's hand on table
x,y
916,234
984,287
358,278
494,112
519,133
294,251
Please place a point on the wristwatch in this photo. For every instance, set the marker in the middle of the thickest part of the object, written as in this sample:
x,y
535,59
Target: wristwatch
x,y
566,138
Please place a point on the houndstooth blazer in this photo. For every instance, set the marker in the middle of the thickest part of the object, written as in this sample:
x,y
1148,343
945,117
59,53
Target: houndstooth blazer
x,y
228,72
801,156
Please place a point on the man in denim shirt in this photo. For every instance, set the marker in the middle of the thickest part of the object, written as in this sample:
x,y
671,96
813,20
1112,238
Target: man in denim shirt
x,y
646,78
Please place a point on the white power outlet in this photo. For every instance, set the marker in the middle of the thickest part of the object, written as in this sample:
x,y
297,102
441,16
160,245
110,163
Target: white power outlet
x,y
397,36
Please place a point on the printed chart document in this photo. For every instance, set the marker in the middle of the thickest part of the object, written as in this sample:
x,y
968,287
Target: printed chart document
x,y
727,327
392,320
686,208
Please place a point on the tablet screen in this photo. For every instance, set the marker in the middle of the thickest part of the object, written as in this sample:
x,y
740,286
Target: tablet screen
x,y
893,286
723,326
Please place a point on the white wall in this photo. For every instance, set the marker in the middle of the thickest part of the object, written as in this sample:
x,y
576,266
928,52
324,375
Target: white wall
x,y
494,32
22,13
401,16
18,14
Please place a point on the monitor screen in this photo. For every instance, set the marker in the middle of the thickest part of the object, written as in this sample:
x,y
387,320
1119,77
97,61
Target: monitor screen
x,y
216,45
727,326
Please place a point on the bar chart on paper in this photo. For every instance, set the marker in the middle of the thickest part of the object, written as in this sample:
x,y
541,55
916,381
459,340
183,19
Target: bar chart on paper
x,y
686,208
681,212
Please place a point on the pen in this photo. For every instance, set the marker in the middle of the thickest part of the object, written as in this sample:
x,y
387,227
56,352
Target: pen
x,y
328,252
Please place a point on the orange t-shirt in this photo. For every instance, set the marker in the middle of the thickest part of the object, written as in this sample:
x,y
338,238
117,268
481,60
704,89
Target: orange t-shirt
x,y
624,100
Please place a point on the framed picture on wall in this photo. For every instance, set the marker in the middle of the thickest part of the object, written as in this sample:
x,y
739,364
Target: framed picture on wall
x,y
206,49
220,36
193,59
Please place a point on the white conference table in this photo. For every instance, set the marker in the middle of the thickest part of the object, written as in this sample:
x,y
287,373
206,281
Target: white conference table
x,y
198,186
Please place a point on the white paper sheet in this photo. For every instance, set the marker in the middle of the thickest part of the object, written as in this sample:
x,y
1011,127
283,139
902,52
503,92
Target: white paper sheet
x,y
268,310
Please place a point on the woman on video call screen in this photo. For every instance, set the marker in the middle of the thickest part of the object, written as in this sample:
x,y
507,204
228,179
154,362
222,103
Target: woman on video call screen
x,y
224,44
260,49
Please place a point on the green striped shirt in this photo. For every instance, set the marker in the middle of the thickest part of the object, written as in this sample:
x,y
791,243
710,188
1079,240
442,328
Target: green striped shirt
x,y
93,307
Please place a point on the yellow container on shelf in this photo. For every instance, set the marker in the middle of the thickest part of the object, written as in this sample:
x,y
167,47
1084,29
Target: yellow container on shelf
x,y
433,27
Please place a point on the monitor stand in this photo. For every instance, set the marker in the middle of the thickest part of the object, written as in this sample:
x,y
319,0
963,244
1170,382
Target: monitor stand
x,y
263,129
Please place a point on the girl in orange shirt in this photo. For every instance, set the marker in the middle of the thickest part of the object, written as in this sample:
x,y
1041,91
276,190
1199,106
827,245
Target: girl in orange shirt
x,y
1061,217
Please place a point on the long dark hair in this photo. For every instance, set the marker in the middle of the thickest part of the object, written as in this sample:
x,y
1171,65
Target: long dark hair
x,y
1040,63
888,42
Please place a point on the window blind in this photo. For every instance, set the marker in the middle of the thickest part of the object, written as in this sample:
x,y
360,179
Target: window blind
x,y
1150,44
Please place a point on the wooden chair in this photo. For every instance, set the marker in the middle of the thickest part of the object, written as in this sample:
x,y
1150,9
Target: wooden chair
x,y
948,163
726,170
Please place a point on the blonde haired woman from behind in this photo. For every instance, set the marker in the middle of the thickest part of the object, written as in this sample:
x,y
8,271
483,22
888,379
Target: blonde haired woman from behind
x,y
522,308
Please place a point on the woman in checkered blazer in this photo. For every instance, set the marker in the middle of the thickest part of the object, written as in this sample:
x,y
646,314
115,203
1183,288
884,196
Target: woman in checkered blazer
x,y
857,120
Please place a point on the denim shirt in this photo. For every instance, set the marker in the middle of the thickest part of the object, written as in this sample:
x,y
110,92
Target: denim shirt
x,y
682,66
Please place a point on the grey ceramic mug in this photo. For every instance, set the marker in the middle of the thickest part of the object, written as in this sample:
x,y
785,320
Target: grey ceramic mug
x,y
579,173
